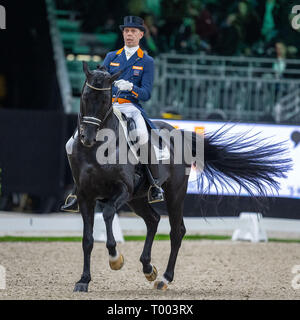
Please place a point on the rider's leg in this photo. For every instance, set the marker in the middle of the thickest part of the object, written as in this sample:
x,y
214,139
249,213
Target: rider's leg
x,y
141,128
71,204
155,192
133,112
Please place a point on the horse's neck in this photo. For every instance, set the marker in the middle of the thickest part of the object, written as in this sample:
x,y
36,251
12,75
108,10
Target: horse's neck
x,y
112,122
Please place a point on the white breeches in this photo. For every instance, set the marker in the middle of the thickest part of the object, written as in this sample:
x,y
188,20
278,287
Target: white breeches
x,y
133,112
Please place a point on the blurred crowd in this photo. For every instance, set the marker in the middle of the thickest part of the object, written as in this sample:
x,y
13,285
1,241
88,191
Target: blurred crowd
x,y
227,27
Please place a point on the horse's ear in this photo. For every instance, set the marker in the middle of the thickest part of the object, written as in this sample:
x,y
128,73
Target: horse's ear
x,y
115,76
101,68
86,69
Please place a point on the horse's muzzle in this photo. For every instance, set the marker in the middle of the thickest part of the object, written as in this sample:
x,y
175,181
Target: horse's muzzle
x,y
88,135
87,142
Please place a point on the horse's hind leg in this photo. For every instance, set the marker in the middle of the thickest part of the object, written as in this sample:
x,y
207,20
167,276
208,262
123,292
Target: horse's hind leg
x,y
174,199
151,218
87,212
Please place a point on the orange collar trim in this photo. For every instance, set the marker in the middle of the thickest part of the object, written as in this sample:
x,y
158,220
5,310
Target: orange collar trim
x,y
120,51
140,53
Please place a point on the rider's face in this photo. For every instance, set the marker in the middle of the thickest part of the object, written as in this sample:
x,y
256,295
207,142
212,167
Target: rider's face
x,y
132,36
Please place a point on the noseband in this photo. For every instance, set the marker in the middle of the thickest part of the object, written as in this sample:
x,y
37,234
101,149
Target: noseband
x,y
92,120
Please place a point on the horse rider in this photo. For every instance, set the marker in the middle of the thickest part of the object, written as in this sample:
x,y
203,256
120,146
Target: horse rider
x,y
134,84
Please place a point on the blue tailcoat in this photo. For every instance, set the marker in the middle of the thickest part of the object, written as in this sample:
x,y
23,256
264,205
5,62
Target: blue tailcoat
x,y
139,70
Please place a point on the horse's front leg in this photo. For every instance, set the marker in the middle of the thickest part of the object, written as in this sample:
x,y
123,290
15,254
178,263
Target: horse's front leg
x,y
116,260
87,211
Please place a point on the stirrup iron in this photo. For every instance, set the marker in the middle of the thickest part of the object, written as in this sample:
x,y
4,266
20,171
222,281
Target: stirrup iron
x,y
72,205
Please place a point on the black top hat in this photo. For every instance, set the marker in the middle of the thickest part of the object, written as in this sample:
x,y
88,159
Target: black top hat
x,y
133,22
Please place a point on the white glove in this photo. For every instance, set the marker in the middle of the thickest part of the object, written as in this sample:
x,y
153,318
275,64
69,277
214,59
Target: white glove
x,y
124,85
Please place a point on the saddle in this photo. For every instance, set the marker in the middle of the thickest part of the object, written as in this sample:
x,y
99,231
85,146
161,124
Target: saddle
x,y
128,124
131,126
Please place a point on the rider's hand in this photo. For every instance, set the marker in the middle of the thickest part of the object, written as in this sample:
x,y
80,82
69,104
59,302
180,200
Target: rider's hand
x,y
124,85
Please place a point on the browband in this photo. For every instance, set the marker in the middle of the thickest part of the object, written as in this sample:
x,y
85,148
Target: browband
x,y
99,89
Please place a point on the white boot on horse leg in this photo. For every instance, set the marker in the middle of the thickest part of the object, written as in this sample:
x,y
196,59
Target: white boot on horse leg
x,y
161,284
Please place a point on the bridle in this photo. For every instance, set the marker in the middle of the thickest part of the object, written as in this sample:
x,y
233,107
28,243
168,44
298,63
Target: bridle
x,y
93,120
99,89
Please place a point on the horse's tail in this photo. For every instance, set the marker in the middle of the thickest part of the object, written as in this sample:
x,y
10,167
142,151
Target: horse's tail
x,y
242,161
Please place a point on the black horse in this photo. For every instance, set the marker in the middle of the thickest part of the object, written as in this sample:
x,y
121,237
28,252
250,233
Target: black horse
x,y
226,160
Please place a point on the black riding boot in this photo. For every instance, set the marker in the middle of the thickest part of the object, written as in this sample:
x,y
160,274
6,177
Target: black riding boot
x,y
71,204
155,192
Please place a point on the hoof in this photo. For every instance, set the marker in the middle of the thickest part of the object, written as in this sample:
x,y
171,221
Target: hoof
x,y
117,264
153,275
81,287
160,285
